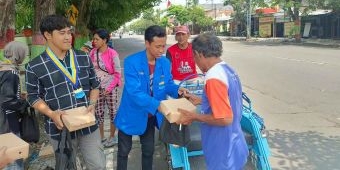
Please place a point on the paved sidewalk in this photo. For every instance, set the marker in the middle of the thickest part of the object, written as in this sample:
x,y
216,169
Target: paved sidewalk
x,y
46,158
47,161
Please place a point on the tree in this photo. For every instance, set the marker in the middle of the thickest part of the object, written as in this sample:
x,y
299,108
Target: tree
x,y
179,12
240,8
111,14
164,22
192,3
198,18
93,14
140,25
149,17
42,9
334,5
7,26
294,7
23,14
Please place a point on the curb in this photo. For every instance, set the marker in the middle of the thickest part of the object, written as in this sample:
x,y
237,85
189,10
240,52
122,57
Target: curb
x,y
282,41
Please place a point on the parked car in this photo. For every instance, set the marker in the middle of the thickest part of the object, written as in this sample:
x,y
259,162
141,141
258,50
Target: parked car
x,y
130,32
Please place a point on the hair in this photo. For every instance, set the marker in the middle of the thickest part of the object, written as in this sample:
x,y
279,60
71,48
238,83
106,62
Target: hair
x,y
53,22
103,34
154,31
16,52
208,44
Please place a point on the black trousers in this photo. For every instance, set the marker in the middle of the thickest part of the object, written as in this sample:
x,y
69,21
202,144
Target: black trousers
x,y
148,146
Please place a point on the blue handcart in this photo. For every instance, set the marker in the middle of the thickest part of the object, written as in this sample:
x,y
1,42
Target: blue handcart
x,y
178,156
252,125
256,136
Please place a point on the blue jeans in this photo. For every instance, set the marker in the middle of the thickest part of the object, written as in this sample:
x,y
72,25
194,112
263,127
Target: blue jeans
x,y
148,146
16,165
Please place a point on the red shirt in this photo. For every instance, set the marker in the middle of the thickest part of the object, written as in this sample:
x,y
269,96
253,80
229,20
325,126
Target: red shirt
x,y
182,61
151,71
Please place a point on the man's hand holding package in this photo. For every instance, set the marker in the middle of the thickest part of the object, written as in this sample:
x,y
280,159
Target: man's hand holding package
x,y
182,91
195,100
91,109
186,118
56,117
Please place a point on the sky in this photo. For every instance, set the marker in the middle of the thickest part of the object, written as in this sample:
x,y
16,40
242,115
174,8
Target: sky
x,y
163,4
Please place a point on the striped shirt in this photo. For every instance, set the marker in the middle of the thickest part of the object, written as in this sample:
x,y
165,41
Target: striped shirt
x,y
45,82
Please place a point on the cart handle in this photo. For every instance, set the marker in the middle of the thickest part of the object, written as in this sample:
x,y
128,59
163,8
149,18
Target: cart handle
x,y
246,98
189,77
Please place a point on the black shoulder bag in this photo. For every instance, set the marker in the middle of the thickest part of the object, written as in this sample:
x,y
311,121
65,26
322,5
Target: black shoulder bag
x,y
171,133
65,157
29,129
98,62
4,127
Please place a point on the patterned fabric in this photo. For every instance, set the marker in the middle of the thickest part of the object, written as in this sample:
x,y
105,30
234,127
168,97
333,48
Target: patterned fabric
x,y
151,71
104,77
45,82
110,59
111,100
182,62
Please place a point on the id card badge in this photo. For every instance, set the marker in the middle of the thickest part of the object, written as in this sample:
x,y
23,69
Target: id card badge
x,y
79,93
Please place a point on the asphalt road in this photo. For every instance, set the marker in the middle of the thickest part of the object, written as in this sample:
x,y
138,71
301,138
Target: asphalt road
x,y
295,88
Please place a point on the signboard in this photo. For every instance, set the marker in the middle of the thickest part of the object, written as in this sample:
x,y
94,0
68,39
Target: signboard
x,y
307,29
265,29
266,19
288,28
72,15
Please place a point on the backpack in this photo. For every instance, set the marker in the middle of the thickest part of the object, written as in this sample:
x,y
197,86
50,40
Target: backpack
x,y
4,127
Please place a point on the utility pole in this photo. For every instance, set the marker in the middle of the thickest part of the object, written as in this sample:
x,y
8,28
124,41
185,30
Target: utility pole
x,y
249,20
213,8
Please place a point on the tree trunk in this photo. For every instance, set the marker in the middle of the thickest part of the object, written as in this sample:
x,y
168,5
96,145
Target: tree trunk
x,y
83,17
7,25
297,22
82,30
42,9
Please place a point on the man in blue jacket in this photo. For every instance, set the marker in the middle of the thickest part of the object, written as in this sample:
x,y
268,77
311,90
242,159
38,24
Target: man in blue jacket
x,y
148,80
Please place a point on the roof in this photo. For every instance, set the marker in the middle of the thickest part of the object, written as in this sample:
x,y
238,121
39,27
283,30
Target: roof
x,y
218,6
266,10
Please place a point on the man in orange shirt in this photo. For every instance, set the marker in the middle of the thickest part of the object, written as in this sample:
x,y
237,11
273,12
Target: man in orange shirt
x,y
223,142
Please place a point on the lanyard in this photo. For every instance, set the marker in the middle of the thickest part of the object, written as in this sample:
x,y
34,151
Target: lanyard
x,y
70,76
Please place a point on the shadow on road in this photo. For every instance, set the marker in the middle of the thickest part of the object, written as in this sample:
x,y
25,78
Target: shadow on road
x,y
294,147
